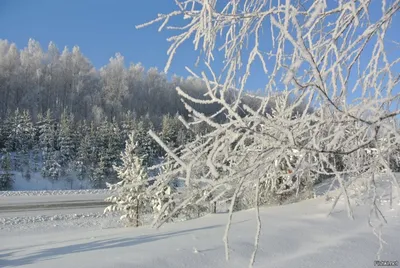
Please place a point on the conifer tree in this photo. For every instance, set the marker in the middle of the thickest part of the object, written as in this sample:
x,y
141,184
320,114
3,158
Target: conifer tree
x,y
128,123
99,176
6,179
82,162
65,143
169,132
50,167
5,130
25,140
130,197
146,148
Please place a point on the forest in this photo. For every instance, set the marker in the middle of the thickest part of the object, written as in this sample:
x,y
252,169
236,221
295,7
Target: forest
x,y
61,117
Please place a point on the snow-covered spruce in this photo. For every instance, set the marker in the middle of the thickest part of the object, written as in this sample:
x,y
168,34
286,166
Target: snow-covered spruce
x,y
130,192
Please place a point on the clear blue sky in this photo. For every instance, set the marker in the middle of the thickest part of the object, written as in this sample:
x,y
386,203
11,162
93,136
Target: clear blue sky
x,y
103,27
99,27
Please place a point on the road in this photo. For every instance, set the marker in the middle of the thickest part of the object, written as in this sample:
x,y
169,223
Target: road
x,y
11,206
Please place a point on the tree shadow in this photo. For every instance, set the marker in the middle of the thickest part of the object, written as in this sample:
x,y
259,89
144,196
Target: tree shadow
x,y
52,253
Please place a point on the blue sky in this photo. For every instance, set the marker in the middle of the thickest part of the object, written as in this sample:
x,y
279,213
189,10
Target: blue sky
x,y
99,27
103,27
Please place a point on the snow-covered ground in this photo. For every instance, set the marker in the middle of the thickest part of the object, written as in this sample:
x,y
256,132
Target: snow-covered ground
x,y
296,235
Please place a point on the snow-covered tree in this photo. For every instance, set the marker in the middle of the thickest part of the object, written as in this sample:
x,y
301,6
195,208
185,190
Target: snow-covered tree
x,y
332,58
130,192
26,135
65,143
47,142
169,130
81,164
31,75
6,179
162,201
99,175
146,148
114,79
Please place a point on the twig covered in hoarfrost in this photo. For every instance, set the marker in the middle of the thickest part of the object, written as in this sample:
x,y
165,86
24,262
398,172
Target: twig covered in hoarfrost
x,y
258,232
307,126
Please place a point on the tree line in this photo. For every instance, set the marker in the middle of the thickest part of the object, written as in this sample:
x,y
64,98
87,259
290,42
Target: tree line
x,y
63,148
35,80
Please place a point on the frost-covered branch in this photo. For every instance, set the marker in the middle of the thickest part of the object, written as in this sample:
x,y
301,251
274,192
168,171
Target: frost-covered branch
x,y
308,125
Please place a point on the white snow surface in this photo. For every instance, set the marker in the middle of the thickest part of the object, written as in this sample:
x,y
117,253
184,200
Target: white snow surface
x,y
296,235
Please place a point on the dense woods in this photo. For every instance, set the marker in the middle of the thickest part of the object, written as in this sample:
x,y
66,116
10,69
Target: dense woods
x,y
62,117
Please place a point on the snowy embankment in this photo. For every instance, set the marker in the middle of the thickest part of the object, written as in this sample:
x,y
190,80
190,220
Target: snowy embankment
x,y
296,235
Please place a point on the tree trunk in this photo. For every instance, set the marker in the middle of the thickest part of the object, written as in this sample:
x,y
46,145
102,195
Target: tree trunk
x,y
137,212
214,208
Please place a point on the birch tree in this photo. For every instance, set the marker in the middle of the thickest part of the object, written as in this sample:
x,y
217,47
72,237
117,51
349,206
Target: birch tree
x,y
331,56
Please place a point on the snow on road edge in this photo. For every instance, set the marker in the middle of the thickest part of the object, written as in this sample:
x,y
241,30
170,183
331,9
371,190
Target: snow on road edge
x,y
54,192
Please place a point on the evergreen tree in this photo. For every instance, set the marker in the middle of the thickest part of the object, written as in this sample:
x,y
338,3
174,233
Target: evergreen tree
x,y
54,168
65,143
82,163
130,196
36,147
128,123
93,150
99,176
5,131
25,139
50,166
113,151
147,149
6,179
169,131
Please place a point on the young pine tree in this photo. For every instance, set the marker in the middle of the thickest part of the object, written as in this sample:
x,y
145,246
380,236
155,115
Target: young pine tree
x,y
130,198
